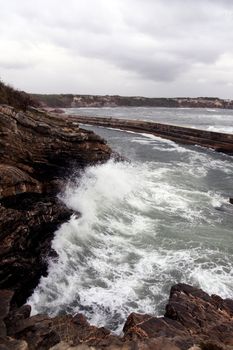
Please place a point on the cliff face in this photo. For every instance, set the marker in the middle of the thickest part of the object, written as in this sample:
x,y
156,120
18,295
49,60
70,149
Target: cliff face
x,y
36,153
70,100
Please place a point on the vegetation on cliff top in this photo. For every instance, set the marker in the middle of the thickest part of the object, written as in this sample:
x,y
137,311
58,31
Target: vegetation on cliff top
x,y
70,100
15,98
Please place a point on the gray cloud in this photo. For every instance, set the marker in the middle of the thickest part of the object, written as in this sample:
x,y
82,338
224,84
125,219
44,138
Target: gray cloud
x,y
15,65
153,43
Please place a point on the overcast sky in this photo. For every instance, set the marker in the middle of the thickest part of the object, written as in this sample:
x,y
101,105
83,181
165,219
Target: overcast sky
x,y
126,47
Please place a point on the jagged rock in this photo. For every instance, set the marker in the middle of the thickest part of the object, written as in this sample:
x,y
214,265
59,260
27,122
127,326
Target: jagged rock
x,y
37,151
27,225
192,317
40,146
13,344
5,300
193,321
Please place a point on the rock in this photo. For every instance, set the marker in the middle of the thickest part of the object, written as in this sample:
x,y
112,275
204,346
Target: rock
x,y
134,319
43,332
37,152
189,136
192,317
193,321
231,200
5,301
26,234
57,111
13,344
40,147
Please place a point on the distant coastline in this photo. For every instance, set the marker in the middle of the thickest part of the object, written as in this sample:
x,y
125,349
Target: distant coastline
x,y
72,100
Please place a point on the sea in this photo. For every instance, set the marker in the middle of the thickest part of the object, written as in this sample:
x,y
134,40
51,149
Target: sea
x,y
159,217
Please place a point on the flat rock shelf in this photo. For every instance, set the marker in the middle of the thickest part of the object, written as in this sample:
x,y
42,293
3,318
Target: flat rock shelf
x,y
220,142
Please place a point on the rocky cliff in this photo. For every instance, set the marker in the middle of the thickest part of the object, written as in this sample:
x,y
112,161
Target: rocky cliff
x,y
37,152
72,100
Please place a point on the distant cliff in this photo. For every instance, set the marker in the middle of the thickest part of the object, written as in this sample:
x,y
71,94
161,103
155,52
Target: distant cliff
x,y
70,100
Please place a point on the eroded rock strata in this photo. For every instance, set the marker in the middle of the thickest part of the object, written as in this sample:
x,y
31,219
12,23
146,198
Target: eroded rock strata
x,y
37,151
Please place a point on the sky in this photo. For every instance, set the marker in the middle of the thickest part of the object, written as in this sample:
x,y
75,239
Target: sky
x,y
155,48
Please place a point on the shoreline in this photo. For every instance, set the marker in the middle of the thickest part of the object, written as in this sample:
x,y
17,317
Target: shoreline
x,y
220,142
38,150
88,100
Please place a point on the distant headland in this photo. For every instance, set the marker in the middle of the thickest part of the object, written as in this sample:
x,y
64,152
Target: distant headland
x,y
72,100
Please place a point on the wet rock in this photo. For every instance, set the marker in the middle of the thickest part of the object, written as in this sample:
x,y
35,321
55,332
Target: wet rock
x,y
43,332
26,231
192,317
37,153
193,321
189,136
57,111
36,150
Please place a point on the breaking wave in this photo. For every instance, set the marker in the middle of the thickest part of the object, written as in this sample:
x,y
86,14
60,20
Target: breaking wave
x,y
143,227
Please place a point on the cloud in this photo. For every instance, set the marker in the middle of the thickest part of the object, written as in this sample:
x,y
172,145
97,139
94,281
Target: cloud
x,y
153,43
15,65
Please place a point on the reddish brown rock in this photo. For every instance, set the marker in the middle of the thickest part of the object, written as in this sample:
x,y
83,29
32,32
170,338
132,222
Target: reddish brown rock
x,y
13,344
192,317
193,321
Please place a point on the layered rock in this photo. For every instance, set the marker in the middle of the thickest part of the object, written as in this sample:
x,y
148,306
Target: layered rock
x,y
192,317
189,136
193,321
37,152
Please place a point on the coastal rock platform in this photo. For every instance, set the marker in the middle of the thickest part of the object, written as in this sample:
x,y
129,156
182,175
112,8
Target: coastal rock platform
x,y
189,136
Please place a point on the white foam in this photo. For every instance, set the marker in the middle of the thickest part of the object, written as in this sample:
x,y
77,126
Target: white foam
x,y
219,128
116,258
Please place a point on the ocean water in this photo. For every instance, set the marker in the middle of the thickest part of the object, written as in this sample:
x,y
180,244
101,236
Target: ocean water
x,y
201,118
160,217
